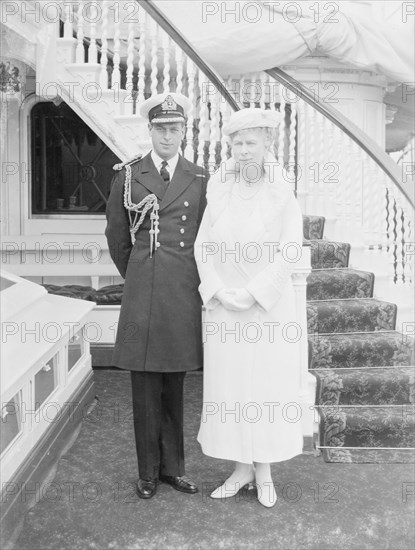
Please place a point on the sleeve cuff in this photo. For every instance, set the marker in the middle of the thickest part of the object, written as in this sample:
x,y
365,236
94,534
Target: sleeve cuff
x,y
208,288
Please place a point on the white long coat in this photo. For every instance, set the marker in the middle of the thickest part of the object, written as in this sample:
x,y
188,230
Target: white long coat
x,y
251,409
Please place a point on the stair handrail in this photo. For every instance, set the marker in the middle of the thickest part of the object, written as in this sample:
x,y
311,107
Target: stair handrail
x,y
363,140
165,23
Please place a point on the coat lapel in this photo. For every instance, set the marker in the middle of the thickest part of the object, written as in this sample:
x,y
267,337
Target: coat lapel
x,y
182,178
150,178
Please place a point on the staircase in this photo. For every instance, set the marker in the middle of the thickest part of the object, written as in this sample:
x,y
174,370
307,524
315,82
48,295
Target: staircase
x,y
365,381
363,366
365,398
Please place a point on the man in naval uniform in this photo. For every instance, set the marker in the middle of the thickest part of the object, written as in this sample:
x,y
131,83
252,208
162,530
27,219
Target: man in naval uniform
x,y
153,213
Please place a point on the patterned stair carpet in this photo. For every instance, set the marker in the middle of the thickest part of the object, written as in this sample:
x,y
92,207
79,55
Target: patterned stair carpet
x,y
365,377
351,335
91,503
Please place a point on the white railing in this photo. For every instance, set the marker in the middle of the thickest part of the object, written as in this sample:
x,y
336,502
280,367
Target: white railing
x,y
330,173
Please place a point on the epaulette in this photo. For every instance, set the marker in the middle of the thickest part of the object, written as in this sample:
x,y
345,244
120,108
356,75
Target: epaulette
x,y
122,165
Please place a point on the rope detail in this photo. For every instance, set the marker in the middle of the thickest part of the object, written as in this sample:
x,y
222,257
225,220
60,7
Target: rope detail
x,y
140,210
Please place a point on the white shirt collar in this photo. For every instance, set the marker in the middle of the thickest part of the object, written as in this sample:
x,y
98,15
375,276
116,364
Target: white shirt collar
x,y
171,163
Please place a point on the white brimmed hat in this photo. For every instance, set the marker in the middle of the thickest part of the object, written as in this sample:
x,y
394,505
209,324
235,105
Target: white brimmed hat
x,y
251,118
167,107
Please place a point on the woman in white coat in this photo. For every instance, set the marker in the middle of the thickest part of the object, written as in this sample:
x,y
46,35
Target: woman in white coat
x,y
248,243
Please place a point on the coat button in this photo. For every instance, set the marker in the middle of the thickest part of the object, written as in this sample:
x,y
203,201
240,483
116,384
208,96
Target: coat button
x,y
182,230
158,244
182,244
186,204
184,218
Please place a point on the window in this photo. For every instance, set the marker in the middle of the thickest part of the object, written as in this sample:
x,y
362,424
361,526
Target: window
x,y
75,349
10,421
45,381
71,166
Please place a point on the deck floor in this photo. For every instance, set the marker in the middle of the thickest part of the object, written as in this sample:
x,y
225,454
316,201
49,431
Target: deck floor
x,y
91,504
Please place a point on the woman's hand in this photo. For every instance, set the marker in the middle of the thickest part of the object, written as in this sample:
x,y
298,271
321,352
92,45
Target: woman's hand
x,y
235,299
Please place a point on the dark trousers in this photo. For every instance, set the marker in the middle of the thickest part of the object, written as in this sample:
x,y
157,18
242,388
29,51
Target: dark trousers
x,y
158,423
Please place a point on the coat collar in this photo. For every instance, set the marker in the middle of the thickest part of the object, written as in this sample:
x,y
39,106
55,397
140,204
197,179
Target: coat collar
x,y
151,179
182,178
148,176
273,198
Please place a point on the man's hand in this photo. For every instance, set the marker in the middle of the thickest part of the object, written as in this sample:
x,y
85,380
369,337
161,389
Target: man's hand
x,y
235,299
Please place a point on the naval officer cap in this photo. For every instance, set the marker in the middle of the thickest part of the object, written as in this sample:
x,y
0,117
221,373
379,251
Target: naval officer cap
x,y
251,118
167,107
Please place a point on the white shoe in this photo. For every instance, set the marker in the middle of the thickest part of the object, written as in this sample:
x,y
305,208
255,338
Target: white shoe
x,y
228,490
266,494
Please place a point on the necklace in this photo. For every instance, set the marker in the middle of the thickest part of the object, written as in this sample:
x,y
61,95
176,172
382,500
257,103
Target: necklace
x,y
253,190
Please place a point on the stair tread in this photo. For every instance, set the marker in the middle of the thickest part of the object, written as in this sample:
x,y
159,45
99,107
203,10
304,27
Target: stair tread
x,y
361,349
356,455
350,315
356,300
367,426
349,369
313,226
328,254
339,283
376,386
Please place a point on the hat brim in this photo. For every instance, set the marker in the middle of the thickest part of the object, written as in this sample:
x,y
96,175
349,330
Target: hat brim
x,y
161,120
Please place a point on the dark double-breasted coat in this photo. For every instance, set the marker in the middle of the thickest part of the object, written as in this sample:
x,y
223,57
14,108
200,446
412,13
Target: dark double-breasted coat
x,y
159,328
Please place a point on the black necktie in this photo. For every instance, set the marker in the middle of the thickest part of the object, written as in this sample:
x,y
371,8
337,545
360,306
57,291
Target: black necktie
x,y
164,173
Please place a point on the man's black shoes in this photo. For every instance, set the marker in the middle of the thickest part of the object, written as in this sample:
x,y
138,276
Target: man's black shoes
x,y
180,484
146,488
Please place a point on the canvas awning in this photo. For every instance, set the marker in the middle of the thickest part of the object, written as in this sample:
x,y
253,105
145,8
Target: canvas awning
x,y
244,36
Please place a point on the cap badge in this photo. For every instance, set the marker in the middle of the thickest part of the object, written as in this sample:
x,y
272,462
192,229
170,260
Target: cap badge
x,y
169,104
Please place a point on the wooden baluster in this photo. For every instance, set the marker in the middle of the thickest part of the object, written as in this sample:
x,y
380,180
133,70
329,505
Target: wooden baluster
x,y
104,46
384,221
273,99
339,194
333,169
213,130
264,85
129,100
390,203
367,195
68,25
282,127
313,167
348,185
225,112
253,89
302,182
409,247
154,58
80,52
399,240
190,151
179,70
377,206
166,61
324,169
203,118
92,14
274,93
116,74
357,183
236,88
142,56
292,146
